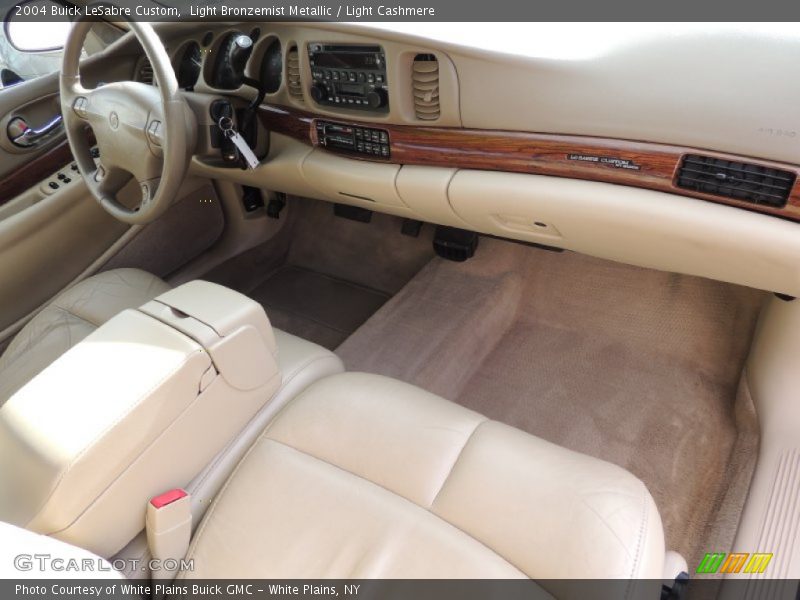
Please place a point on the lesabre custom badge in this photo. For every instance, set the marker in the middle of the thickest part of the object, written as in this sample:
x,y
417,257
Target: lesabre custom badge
x,y
617,163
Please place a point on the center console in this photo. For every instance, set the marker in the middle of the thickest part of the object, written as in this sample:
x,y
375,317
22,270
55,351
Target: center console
x,y
349,76
140,406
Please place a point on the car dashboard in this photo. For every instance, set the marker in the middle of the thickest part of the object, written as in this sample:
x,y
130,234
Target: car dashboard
x,y
647,150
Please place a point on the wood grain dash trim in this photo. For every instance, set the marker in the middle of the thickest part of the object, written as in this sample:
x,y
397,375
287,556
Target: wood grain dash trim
x,y
632,163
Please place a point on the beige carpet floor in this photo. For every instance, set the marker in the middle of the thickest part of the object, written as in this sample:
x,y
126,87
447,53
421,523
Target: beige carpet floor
x,y
638,367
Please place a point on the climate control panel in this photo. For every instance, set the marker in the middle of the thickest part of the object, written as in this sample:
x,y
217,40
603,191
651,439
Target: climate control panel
x,y
369,142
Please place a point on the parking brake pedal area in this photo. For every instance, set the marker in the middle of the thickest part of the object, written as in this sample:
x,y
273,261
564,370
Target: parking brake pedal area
x,y
455,244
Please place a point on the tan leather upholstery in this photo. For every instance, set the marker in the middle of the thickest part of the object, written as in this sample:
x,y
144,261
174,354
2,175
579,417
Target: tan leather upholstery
x,y
71,317
364,476
301,363
28,555
82,445
79,312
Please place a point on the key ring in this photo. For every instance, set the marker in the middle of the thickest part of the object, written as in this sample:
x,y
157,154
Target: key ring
x,y
226,124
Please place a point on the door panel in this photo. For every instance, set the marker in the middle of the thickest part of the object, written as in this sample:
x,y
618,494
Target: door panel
x,y
36,101
47,237
47,245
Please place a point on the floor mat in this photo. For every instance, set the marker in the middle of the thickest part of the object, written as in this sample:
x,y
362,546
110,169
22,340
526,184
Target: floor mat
x,y
322,276
635,366
314,306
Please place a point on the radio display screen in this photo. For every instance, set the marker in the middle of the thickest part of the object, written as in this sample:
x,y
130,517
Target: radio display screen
x,y
345,60
351,89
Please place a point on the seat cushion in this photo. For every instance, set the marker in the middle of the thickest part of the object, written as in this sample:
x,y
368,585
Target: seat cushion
x,y
301,363
45,557
70,318
362,476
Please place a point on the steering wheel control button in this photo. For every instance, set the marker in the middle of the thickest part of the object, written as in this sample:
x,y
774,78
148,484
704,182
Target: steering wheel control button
x,y
99,174
80,106
154,133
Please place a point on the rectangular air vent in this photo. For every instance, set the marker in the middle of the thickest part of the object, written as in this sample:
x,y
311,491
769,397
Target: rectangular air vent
x,y
144,74
736,180
425,78
293,74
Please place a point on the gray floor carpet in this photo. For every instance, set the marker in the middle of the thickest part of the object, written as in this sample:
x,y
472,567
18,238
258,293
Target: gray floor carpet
x,y
638,367
322,276
316,307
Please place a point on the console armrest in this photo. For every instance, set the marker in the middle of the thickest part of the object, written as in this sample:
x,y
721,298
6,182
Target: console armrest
x,y
138,407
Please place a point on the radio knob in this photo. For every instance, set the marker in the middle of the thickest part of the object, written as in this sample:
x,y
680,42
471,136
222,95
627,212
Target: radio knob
x,y
377,98
319,92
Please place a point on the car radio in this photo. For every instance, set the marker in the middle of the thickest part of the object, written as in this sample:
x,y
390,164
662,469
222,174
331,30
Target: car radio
x,y
349,75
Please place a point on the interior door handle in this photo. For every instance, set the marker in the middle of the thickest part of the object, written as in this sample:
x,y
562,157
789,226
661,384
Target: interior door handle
x,y
25,136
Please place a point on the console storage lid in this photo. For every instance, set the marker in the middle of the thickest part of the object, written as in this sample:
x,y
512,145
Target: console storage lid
x,y
232,328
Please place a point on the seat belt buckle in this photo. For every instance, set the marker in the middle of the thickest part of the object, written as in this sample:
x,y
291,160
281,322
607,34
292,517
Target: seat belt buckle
x,y
168,523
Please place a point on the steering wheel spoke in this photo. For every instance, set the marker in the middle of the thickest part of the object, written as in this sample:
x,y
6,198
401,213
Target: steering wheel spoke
x,y
110,181
149,189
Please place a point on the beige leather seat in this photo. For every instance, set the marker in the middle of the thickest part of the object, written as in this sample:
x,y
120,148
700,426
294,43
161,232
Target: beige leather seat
x,y
68,319
362,476
78,311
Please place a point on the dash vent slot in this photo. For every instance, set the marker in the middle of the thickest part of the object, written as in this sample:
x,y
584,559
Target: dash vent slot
x,y
144,74
293,74
425,78
736,180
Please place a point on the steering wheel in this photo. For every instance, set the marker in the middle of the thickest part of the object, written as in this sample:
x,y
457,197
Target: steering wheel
x,y
142,131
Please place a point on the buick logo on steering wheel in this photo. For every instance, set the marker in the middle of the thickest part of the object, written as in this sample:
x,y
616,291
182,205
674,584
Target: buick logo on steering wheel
x,y
114,120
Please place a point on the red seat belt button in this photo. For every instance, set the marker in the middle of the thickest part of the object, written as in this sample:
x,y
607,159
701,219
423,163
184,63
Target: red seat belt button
x,y
169,497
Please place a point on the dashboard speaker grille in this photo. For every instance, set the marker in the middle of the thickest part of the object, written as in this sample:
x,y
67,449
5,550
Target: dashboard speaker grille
x,y
736,180
293,74
144,72
425,77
